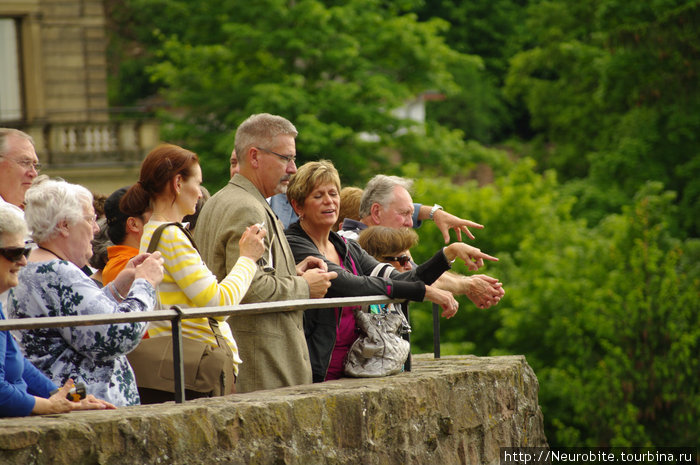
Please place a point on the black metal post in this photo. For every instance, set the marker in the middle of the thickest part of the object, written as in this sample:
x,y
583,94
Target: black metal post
x,y
178,360
436,330
404,309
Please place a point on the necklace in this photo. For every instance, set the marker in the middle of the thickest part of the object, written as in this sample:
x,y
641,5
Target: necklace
x,y
51,252
324,248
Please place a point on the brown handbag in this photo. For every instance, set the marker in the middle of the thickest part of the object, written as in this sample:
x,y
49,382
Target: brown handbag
x,y
208,370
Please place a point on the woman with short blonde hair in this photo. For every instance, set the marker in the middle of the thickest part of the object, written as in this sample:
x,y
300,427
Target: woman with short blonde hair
x,y
314,193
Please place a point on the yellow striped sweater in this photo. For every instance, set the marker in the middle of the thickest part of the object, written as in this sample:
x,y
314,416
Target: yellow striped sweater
x,y
187,282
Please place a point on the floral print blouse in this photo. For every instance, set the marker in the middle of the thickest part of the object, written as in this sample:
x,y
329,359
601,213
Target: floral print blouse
x,y
94,355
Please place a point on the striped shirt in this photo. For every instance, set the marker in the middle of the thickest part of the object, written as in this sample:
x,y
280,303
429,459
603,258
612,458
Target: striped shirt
x,y
187,282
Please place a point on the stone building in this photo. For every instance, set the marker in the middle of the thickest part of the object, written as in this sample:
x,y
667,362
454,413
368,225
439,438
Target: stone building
x,y
53,85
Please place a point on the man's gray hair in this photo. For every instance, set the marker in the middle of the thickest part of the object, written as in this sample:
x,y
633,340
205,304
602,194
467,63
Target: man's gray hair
x,y
11,222
5,132
260,130
380,189
50,202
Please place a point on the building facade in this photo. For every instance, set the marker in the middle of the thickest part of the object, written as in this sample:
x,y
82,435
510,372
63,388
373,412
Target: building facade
x,y
53,85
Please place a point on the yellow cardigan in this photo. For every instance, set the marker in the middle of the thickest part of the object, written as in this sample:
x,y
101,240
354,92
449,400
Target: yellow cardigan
x,y
187,282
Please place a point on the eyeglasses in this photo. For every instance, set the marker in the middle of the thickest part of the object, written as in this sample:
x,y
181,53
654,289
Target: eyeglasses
x,y
91,218
14,254
403,259
286,158
26,164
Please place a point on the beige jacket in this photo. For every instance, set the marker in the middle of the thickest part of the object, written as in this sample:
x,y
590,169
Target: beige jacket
x,y
273,347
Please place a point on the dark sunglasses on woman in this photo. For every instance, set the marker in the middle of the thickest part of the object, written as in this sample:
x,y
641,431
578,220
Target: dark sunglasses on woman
x,y
403,259
14,254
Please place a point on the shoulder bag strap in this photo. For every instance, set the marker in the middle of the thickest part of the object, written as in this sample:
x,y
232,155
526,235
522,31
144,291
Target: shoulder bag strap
x,y
383,270
220,339
159,232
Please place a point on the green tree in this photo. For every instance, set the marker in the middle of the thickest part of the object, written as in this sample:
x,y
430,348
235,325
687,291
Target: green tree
x,y
520,209
337,71
608,316
611,90
610,320
491,30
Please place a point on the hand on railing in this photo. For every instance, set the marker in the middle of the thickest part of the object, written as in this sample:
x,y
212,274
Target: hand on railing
x,y
445,299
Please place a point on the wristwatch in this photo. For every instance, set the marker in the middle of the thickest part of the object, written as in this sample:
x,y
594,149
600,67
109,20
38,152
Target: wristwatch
x,y
435,208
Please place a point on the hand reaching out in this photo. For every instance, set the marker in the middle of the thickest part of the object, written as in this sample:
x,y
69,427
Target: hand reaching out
x,y
484,291
472,257
446,221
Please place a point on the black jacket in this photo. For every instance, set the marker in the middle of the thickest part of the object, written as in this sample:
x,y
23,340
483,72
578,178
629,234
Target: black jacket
x,y
320,324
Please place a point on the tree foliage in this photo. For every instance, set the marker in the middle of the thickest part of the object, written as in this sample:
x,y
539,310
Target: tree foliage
x,y
611,90
490,30
337,71
608,316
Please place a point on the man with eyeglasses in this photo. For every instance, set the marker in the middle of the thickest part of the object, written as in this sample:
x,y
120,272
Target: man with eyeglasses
x,y
419,212
19,165
272,346
386,201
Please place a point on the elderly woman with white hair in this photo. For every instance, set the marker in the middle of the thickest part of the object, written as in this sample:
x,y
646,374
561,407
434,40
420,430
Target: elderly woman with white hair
x,y
62,220
25,390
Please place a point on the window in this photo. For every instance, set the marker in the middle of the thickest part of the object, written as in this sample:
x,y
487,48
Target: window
x,y
10,89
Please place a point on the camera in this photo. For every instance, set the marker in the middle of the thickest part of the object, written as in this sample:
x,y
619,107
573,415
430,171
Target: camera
x,y
76,394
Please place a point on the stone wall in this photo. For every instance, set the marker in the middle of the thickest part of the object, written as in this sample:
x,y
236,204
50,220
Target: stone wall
x,y
455,410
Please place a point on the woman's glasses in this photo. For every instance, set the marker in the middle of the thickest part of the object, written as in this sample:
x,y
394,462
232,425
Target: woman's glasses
x,y
14,254
403,259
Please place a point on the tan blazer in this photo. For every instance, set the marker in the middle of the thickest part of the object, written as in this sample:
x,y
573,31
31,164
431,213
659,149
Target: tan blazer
x,y
273,347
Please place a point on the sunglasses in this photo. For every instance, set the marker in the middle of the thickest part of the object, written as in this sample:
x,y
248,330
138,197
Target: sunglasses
x,y
14,254
403,259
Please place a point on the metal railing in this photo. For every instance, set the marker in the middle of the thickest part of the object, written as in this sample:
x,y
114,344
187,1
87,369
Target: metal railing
x,y
436,330
176,314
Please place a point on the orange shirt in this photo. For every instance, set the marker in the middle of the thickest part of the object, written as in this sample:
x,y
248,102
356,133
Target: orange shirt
x,y
117,258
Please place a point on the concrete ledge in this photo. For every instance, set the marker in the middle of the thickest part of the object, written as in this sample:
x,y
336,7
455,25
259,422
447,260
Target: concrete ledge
x,y
455,410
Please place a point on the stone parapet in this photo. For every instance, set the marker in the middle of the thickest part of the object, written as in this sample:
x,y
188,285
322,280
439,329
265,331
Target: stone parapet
x,y
455,410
